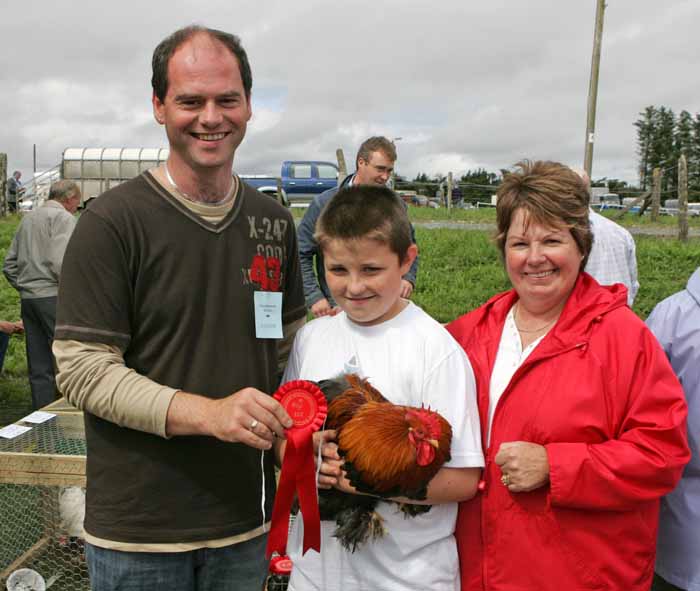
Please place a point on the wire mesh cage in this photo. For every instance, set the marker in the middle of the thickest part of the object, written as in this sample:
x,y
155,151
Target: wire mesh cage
x,y
42,503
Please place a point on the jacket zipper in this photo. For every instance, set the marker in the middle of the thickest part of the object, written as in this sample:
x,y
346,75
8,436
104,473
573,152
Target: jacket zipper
x,y
485,483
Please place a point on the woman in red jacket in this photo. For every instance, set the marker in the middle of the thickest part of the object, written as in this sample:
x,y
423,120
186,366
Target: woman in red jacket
x,y
582,419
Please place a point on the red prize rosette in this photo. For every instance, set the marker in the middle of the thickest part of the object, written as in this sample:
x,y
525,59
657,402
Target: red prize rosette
x,y
306,405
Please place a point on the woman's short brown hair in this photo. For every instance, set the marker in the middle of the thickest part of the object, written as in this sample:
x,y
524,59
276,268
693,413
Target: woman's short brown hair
x,y
552,195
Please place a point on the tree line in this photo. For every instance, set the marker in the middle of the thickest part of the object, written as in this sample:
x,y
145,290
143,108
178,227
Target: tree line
x,y
662,136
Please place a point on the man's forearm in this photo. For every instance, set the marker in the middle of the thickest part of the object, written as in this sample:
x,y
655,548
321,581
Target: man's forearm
x,y
93,377
189,414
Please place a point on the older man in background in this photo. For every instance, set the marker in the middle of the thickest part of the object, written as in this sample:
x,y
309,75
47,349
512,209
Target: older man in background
x,y
33,267
14,191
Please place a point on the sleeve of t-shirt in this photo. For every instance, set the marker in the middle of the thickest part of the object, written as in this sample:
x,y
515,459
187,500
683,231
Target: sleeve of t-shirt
x,y
95,295
632,266
450,388
11,268
94,378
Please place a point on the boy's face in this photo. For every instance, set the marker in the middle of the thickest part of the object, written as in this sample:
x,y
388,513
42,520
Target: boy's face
x,y
364,277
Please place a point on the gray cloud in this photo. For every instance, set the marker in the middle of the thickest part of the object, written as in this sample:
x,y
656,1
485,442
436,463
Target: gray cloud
x,y
464,84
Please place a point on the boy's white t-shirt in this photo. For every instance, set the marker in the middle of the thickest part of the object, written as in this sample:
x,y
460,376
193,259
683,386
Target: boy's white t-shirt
x,y
412,360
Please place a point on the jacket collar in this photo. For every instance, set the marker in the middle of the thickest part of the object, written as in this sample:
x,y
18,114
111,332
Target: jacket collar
x,y
52,203
693,286
588,303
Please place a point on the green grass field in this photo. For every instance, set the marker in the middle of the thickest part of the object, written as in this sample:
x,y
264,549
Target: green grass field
x,y
488,215
459,270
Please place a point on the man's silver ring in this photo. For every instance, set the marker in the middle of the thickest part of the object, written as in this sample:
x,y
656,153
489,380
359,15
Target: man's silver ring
x,y
253,424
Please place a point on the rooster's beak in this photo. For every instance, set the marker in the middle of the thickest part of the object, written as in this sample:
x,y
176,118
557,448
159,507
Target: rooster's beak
x,y
434,442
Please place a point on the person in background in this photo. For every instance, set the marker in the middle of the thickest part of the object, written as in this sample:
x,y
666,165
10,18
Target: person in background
x,y
33,267
676,323
14,191
375,163
613,257
178,288
6,330
582,417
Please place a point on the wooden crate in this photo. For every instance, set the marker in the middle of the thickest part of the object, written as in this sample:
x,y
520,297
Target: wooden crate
x,y
42,475
62,406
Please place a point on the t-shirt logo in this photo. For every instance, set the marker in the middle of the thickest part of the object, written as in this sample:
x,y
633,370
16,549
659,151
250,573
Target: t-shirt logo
x,y
265,272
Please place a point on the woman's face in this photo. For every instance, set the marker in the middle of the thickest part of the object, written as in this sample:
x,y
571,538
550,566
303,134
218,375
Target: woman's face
x,y
542,263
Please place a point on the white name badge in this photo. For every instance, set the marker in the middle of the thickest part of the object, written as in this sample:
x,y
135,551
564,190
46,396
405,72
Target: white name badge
x,y
268,314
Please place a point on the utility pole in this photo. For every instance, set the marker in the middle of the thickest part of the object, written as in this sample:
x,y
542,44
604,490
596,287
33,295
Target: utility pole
x,y
593,87
342,168
656,195
3,184
683,199
449,192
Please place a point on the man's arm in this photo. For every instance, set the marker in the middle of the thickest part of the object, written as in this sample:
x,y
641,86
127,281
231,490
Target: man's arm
x,y
308,249
410,277
10,268
94,378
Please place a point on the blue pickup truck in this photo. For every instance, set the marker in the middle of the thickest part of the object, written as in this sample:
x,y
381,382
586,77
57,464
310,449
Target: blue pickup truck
x,y
301,180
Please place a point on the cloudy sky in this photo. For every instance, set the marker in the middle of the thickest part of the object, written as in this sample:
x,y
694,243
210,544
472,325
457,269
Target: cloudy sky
x,y
464,84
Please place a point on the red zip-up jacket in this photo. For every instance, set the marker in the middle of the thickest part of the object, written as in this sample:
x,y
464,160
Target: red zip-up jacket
x,y
599,394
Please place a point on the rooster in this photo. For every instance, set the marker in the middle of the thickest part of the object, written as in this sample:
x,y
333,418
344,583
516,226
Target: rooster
x,y
388,450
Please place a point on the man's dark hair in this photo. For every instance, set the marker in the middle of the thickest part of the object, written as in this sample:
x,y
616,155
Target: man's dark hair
x,y
366,211
376,143
166,48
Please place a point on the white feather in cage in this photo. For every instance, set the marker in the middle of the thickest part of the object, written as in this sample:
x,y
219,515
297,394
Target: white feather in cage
x,y
71,507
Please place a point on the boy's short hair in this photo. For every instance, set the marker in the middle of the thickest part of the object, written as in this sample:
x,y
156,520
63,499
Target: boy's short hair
x,y
366,211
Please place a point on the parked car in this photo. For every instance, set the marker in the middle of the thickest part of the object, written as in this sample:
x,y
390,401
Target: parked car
x,y
671,208
419,200
301,181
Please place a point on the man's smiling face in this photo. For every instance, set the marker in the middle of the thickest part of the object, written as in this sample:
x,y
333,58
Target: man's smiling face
x,y
206,110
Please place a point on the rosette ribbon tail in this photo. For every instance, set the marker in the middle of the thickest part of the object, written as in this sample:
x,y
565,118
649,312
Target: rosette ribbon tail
x,y
307,407
298,474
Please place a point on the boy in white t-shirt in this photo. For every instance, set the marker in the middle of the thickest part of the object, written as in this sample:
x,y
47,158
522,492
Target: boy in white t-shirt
x,y
412,360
